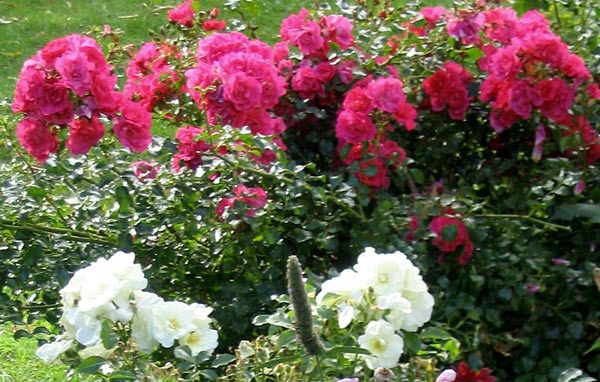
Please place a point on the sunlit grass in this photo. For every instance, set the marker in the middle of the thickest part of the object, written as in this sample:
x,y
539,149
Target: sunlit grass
x,y
18,362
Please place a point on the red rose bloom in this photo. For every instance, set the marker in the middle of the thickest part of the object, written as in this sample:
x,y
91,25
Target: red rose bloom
x,y
465,374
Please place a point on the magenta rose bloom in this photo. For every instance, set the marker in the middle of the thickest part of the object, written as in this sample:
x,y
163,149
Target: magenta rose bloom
x,y
132,127
243,91
338,29
145,170
387,94
84,133
357,100
352,127
76,72
440,226
37,139
183,14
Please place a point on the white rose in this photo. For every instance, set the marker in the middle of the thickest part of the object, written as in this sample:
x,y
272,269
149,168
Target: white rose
x,y
84,327
140,331
130,276
383,343
171,321
202,337
385,273
348,288
418,313
52,350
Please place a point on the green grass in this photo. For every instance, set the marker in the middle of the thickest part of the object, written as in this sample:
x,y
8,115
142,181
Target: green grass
x,y
18,362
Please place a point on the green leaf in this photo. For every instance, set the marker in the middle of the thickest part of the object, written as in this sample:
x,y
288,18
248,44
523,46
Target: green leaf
x,y
417,175
222,360
108,335
594,347
435,334
412,342
90,365
36,192
122,375
346,350
569,375
124,199
21,334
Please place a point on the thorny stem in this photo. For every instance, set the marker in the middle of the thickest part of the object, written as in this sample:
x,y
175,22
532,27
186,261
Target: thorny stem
x,y
73,235
527,218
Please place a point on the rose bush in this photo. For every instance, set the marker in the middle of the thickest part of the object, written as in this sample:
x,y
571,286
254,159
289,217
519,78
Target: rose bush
x,y
465,138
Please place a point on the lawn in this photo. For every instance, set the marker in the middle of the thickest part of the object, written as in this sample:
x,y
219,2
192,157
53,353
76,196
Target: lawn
x,y
18,361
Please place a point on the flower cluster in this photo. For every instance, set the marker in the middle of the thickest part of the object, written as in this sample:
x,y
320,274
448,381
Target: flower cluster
x,y
236,82
68,83
314,40
390,291
450,233
447,89
112,291
185,15
528,67
366,115
150,78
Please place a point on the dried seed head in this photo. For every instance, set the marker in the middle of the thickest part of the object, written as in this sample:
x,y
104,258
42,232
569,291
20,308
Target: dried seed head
x,y
302,309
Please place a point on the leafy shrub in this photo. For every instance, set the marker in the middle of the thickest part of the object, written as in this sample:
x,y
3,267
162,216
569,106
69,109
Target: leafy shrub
x,y
465,138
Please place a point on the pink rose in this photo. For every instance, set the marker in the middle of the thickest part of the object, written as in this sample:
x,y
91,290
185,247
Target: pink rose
x,y
307,83
406,115
53,50
450,234
30,80
214,25
76,72
373,173
183,14
145,170
557,98
253,197
306,35
53,102
386,94
432,14
243,91
357,100
37,139
106,99
354,128
132,127
338,29
447,375
83,134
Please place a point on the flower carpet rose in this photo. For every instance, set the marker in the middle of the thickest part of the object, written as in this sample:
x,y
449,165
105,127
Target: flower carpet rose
x,y
184,14
450,234
384,344
112,291
68,84
354,126
385,283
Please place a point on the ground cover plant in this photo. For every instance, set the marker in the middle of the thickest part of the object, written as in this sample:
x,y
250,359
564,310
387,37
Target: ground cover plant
x,y
384,192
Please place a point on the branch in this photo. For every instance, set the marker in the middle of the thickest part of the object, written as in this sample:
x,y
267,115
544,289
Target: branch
x,y
526,218
73,235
